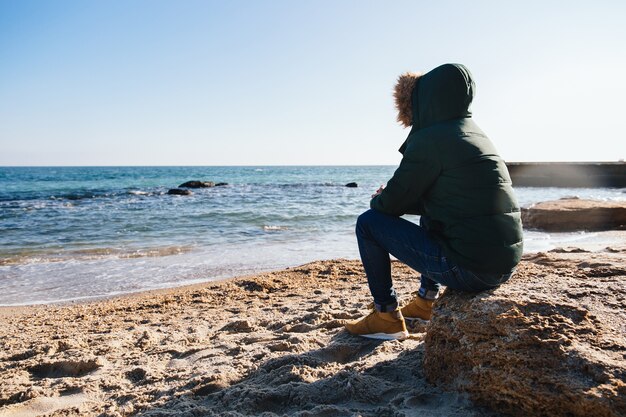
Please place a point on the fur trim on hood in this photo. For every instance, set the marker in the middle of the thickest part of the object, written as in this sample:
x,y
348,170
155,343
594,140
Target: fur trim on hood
x,y
402,93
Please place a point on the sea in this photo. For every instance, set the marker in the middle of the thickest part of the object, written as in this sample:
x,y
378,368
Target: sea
x,y
76,233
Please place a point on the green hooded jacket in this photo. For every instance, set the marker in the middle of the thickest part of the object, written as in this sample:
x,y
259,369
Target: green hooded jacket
x,y
451,173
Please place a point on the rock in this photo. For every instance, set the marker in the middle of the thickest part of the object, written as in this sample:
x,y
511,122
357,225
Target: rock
x,y
549,342
573,214
352,185
221,184
197,184
178,191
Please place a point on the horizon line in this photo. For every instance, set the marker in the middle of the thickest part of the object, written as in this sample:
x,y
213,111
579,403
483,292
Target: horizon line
x,y
620,161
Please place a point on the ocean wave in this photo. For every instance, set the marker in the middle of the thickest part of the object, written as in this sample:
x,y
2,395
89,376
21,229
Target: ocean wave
x,y
306,184
43,256
139,192
83,195
28,205
271,228
17,197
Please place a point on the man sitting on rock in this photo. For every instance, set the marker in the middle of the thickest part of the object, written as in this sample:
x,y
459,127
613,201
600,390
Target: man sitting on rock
x,y
470,232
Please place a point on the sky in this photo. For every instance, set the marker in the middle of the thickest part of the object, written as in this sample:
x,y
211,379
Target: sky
x,y
148,82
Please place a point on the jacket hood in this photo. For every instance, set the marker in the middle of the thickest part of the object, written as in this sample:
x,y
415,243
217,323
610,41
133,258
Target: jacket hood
x,y
445,93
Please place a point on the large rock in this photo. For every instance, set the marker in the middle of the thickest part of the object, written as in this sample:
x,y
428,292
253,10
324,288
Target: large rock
x,y
550,342
178,191
197,184
572,214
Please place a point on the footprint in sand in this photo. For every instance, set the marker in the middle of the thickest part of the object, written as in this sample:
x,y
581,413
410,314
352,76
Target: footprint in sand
x,y
63,369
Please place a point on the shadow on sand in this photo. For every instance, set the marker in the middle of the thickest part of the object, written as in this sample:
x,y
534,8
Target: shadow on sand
x,y
350,376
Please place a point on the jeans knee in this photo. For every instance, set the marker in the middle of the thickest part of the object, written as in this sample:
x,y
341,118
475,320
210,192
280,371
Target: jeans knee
x,y
363,221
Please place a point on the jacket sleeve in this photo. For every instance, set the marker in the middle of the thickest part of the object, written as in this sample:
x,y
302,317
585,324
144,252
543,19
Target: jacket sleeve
x,y
404,191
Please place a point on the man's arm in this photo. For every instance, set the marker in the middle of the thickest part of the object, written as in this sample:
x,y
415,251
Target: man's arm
x,y
405,189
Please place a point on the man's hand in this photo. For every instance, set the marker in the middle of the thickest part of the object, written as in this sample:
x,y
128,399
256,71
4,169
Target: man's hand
x,y
380,190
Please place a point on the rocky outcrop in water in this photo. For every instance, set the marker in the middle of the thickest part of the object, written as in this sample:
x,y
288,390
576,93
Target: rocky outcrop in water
x,y
571,214
550,342
201,184
179,191
197,184
352,185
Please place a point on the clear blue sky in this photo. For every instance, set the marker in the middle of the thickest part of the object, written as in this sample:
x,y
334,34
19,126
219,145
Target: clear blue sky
x,y
299,82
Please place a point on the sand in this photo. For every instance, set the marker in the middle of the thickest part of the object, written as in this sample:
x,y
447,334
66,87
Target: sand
x,y
271,344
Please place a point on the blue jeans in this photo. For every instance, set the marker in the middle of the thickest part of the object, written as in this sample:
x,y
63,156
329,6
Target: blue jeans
x,y
380,234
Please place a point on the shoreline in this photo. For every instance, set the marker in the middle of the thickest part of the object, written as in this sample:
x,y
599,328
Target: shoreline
x,y
591,241
97,299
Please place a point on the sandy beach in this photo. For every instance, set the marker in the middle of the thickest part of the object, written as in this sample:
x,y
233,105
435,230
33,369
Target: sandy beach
x,y
271,344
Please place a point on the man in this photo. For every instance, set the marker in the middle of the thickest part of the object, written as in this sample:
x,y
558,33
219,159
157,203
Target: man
x,y
470,232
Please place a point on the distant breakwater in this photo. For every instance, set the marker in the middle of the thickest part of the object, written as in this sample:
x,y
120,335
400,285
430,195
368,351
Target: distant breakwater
x,y
568,174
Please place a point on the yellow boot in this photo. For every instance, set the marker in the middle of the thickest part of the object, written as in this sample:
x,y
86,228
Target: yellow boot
x,y
419,308
377,325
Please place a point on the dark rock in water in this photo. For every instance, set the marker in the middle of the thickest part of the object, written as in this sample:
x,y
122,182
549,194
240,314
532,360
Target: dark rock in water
x,y
572,214
197,184
178,191
352,185
543,343
221,184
